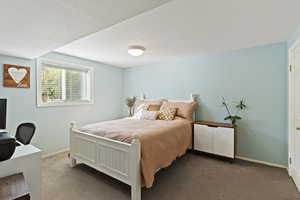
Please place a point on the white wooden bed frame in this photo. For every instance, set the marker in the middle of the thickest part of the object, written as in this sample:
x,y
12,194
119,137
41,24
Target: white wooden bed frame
x,y
116,159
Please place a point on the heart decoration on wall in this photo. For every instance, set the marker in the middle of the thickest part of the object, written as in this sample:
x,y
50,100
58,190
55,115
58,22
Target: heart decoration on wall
x,y
16,76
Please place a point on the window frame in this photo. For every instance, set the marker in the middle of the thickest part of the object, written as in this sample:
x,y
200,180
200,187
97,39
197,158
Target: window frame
x,y
64,65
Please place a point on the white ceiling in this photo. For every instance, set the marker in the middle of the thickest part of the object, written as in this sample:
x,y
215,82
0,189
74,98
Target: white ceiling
x,y
184,28
31,28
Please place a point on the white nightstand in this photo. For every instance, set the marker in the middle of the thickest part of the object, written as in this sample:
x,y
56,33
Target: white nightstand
x,y
215,138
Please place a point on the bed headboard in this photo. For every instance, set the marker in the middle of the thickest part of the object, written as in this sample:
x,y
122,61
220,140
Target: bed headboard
x,y
193,98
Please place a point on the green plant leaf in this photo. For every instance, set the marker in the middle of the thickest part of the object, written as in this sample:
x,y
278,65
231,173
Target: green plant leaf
x,y
241,105
227,118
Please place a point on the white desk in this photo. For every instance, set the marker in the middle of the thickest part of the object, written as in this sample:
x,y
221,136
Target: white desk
x,y
26,159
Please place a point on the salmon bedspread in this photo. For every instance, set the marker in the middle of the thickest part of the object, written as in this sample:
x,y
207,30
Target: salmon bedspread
x,y
161,141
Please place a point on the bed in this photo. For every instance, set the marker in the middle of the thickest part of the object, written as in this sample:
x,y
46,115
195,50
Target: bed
x,y
130,150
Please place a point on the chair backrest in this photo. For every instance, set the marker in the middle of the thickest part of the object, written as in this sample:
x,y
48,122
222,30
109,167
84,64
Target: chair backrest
x,y
25,133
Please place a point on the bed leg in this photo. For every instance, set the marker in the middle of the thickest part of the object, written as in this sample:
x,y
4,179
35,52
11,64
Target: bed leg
x,y
136,192
72,162
135,169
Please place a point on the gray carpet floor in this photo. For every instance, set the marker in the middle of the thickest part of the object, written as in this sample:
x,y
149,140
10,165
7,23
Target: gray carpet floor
x,y
192,177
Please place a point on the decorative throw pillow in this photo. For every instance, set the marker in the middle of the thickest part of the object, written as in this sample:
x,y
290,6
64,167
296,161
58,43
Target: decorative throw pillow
x,y
154,107
147,102
142,107
167,114
148,115
184,109
139,110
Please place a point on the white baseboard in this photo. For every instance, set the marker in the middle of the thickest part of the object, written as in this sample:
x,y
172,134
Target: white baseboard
x,y
296,177
261,162
55,153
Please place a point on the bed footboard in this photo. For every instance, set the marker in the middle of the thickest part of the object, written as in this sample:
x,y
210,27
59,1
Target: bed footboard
x,y
116,159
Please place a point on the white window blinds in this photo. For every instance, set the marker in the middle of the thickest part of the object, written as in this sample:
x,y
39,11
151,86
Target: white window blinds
x,y
63,83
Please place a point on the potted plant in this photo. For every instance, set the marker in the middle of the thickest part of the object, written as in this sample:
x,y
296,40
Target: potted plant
x,y
51,93
240,106
130,103
45,97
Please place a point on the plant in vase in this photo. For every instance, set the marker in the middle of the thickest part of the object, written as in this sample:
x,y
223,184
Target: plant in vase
x,y
45,97
51,93
130,103
239,107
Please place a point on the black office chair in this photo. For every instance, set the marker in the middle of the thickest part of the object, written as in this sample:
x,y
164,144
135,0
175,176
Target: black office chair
x,y
25,133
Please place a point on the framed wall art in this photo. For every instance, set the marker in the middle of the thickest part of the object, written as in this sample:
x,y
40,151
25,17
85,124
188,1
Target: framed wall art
x,y
16,76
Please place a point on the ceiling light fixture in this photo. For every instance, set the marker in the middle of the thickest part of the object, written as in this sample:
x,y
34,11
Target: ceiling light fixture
x,y
136,50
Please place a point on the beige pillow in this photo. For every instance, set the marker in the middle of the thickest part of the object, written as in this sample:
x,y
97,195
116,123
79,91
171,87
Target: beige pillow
x,y
147,102
184,109
167,114
154,107
149,115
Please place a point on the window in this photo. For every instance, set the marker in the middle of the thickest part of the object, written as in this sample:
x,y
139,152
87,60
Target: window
x,y
63,84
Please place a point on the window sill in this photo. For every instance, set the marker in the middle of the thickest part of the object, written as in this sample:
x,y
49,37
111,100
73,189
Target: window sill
x,y
57,104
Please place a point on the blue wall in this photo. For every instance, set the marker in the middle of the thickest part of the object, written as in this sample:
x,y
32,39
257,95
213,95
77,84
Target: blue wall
x,y
53,122
259,74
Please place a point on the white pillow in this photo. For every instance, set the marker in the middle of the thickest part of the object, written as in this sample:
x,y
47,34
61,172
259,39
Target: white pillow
x,y
142,107
148,115
138,114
